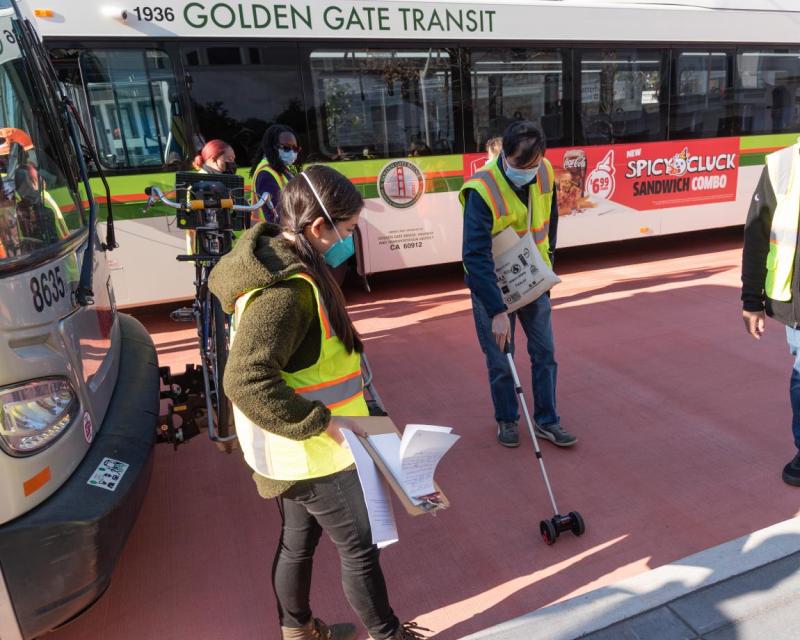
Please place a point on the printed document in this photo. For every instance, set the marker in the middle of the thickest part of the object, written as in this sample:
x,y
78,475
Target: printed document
x,y
376,494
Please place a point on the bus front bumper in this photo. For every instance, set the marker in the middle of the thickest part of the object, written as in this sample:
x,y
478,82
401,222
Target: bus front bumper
x,y
58,558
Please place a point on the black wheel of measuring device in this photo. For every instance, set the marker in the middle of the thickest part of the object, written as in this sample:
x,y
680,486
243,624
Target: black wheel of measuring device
x,y
548,531
578,527
218,358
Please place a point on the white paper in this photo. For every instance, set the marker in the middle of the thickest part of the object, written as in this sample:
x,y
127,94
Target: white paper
x,y
420,451
387,445
412,461
376,494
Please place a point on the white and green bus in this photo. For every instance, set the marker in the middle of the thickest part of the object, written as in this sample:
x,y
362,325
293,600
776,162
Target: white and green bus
x,y
657,114
79,382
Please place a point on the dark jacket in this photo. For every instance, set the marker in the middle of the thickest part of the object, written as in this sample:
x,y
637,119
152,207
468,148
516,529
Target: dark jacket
x,y
265,182
754,259
476,248
279,331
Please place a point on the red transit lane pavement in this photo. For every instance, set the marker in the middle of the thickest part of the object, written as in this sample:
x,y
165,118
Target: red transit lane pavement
x,y
684,426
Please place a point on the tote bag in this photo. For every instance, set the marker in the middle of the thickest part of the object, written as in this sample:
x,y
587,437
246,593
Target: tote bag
x,y
521,272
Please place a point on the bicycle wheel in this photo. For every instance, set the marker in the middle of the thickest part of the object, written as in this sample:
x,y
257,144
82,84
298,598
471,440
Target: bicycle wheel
x,y
217,351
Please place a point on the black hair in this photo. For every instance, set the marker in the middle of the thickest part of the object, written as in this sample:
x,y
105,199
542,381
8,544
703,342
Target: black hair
x,y
269,148
300,208
523,140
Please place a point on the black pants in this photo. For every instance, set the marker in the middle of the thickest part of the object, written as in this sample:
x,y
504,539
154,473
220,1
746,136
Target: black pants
x,y
336,505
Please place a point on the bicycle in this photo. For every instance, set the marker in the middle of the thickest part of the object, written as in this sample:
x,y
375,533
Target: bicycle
x,y
210,211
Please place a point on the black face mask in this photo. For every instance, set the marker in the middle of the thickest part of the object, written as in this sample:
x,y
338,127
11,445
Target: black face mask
x,y
230,167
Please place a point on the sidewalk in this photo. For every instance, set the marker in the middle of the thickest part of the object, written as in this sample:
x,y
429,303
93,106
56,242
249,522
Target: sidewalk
x,y
746,589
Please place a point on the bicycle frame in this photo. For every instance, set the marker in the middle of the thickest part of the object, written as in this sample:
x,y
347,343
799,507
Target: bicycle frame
x,y
211,242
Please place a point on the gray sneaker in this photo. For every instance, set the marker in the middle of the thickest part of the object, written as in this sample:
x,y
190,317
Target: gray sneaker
x,y
508,434
555,434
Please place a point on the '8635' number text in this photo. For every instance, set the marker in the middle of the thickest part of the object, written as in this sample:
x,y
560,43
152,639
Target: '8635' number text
x,y
47,288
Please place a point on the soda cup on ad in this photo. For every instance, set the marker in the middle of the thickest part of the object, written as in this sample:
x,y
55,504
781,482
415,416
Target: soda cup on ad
x,y
575,163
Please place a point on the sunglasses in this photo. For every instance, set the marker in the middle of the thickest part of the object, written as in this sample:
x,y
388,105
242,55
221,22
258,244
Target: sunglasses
x,y
289,147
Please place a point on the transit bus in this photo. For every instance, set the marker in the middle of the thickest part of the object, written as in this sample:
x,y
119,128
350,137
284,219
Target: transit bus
x,y
79,382
658,115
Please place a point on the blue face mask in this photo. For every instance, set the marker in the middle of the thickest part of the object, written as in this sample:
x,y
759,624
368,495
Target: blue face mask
x,y
340,252
520,177
287,157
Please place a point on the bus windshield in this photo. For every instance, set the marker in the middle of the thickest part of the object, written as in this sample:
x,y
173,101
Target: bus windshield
x,y
39,207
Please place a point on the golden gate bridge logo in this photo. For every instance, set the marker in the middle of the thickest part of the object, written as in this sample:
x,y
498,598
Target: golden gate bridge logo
x,y
401,184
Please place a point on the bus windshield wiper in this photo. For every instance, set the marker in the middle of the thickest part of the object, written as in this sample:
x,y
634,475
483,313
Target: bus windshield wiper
x,y
34,52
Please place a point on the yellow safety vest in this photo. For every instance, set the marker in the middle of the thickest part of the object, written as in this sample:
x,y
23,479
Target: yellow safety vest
x,y
334,379
508,210
282,180
783,168
61,224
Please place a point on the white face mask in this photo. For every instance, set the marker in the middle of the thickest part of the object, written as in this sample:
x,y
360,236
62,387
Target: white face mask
x,y
520,177
287,157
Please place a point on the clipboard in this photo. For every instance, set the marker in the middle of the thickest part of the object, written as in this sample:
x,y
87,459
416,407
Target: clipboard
x,y
375,425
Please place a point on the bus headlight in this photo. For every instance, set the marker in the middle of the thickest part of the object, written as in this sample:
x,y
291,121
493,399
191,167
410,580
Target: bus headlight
x,y
35,414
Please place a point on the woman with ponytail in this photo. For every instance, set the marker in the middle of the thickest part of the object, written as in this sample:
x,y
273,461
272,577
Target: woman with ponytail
x,y
294,367
217,156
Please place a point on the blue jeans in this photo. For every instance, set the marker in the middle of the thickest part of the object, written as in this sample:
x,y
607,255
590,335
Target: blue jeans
x,y
793,338
536,323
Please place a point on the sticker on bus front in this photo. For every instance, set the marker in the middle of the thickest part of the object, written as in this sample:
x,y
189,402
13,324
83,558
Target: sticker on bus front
x,y
108,474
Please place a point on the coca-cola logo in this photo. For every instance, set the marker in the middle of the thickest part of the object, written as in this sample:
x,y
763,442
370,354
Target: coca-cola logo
x,y
575,163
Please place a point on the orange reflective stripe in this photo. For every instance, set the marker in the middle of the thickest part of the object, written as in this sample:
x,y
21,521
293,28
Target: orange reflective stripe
x,y
341,403
329,383
495,208
543,178
323,314
487,178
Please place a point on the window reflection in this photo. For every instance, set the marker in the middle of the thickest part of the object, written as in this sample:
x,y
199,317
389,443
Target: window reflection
x,y
515,84
620,95
378,103
134,108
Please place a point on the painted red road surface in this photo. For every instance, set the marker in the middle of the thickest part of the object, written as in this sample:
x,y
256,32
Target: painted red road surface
x,y
683,420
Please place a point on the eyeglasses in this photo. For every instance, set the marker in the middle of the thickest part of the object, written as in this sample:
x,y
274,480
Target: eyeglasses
x,y
289,147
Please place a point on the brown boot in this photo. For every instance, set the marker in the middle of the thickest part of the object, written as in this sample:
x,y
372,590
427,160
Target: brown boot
x,y
316,629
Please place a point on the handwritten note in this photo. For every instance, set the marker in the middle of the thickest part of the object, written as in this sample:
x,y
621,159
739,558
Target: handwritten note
x,y
412,461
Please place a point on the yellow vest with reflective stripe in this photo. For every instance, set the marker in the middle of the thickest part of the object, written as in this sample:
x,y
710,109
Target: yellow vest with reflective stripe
x,y
506,207
258,216
334,379
783,168
61,224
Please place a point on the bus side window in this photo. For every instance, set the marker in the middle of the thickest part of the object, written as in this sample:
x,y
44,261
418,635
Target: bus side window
x,y
378,103
621,95
767,91
510,84
238,91
133,108
701,94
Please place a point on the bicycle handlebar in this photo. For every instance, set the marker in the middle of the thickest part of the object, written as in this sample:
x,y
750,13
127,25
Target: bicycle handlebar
x,y
154,194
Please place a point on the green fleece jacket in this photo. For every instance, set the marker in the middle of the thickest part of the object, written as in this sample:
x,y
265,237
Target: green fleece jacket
x,y
279,331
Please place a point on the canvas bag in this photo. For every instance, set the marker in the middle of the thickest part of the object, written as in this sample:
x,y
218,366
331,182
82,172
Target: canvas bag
x,y
521,272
